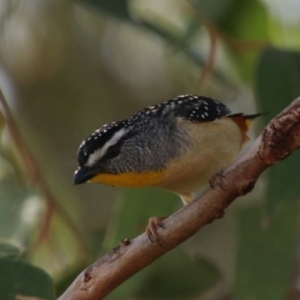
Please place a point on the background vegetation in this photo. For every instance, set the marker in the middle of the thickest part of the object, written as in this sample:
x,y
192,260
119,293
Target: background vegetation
x,y
68,67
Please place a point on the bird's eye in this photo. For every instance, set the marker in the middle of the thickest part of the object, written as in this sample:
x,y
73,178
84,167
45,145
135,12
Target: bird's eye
x,y
82,157
113,151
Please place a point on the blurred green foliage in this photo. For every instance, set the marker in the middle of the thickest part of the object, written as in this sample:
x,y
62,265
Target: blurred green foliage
x,y
278,77
10,251
19,280
117,8
266,254
67,67
169,285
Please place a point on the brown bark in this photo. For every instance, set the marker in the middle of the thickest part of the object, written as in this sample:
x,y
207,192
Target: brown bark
x,y
278,140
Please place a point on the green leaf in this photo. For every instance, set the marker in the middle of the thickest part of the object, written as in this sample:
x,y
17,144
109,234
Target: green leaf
x,y
12,196
246,22
278,83
214,10
176,276
9,250
265,260
18,279
277,80
268,242
116,8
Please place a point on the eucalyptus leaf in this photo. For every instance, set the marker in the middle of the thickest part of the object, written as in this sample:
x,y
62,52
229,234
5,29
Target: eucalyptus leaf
x,y
278,84
116,8
268,233
9,250
214,10
246,23
20,280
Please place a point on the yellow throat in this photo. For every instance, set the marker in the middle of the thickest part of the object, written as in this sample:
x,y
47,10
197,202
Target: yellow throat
x,y
130,179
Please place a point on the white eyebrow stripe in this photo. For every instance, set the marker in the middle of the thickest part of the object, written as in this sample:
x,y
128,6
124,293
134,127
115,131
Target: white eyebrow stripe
x,y
94,157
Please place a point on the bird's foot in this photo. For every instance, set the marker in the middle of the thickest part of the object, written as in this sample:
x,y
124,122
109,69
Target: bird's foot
x,y
217,181
151,229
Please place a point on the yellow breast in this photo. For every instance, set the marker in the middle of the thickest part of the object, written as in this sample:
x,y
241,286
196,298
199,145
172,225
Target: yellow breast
x,y
212,147
130,179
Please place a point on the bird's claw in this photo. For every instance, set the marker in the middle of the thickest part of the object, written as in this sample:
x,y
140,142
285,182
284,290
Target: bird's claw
x,y
151,229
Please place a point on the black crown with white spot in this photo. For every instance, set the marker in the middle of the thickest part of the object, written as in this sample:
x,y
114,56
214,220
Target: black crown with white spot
x,y
190,107
97,140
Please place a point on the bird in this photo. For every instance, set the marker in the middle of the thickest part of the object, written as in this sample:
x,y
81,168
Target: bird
x,y
177,145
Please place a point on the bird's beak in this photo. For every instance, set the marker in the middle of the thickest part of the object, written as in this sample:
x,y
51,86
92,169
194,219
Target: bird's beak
x,y
82,175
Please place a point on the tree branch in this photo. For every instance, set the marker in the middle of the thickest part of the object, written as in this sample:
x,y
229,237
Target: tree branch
x,y
279,139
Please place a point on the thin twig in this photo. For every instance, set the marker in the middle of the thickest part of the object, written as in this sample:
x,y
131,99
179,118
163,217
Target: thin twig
x,y
35,177
208,69
214,34
279,139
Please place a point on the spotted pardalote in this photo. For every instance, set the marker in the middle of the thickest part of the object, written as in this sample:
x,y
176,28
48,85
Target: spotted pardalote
x,y
177,145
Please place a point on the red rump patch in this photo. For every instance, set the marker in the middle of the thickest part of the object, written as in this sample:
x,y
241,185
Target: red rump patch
x,y
242,121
